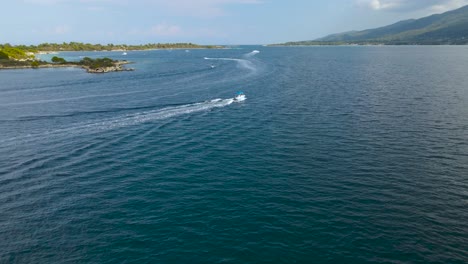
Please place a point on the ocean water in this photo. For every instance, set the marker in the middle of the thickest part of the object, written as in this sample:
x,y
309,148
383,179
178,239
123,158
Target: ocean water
x,y
338,155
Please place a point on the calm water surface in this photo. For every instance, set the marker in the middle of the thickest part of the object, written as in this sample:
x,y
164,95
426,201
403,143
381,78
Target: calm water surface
x,y
339,154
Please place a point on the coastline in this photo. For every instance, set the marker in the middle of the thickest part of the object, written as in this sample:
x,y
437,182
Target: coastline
x,y
116,67
40,66
30,57
55,52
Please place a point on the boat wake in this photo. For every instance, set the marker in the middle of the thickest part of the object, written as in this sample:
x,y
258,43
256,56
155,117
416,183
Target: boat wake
x,y
124,121
243,63
253,53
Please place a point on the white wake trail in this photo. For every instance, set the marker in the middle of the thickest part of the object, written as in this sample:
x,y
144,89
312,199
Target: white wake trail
x,y
148,116
243,63
123,121
251,54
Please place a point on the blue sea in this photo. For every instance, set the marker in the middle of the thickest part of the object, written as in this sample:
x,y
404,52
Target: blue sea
x,y
338,155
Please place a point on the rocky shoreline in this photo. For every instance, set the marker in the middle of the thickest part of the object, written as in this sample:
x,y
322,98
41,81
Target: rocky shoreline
x,y
117,67
2,67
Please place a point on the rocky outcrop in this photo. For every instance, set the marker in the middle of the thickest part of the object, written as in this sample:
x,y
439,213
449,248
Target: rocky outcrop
x,y
116,68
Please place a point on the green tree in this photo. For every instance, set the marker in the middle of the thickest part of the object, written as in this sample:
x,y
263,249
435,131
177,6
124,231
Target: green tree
x,y
35,64
3,56
59,60
14,53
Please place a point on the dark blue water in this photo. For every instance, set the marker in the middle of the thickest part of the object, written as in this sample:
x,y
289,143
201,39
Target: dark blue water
x,y
339,154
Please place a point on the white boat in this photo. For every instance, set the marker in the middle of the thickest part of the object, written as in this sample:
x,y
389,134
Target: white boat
x,y
125,53
240,97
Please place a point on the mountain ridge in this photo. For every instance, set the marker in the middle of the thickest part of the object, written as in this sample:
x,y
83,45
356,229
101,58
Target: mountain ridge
x,y
447,28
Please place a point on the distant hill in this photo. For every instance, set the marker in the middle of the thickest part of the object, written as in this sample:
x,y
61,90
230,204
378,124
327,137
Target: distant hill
x,y
447,28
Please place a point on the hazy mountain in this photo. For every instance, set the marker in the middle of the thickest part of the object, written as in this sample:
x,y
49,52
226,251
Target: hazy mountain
x,y
447,28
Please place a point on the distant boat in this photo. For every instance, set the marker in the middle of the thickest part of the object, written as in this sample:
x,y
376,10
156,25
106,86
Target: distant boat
x,y
187,50
212,66
240,97
125,53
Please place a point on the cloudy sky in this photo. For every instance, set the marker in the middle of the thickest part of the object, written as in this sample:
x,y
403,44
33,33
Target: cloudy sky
x,y
201,21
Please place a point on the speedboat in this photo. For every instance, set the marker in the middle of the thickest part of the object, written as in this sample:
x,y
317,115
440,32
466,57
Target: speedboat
x,y
125,53
240,97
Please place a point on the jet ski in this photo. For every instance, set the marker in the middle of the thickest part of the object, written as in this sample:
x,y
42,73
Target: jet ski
x,y
239,97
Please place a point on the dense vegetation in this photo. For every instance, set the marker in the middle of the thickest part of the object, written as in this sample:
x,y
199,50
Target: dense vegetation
x,y
3,56
87,62
59,60
14,57
21,64
23,55
8,52
97,63
450,28
77,46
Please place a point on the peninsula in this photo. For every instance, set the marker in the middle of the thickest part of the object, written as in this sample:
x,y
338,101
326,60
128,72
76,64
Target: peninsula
x,y
101,65
23,56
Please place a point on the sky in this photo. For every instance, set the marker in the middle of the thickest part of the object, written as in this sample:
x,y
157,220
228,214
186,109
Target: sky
x,y
201,21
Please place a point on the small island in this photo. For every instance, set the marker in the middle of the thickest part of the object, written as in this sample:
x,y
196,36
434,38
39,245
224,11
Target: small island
x,y
23,56
91,65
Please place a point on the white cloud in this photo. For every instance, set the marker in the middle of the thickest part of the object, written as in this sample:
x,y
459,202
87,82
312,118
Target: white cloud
x,y
95,8
164,29
199,8
449,5
60,30
42,2
52,2
379,4
412,5
161,30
